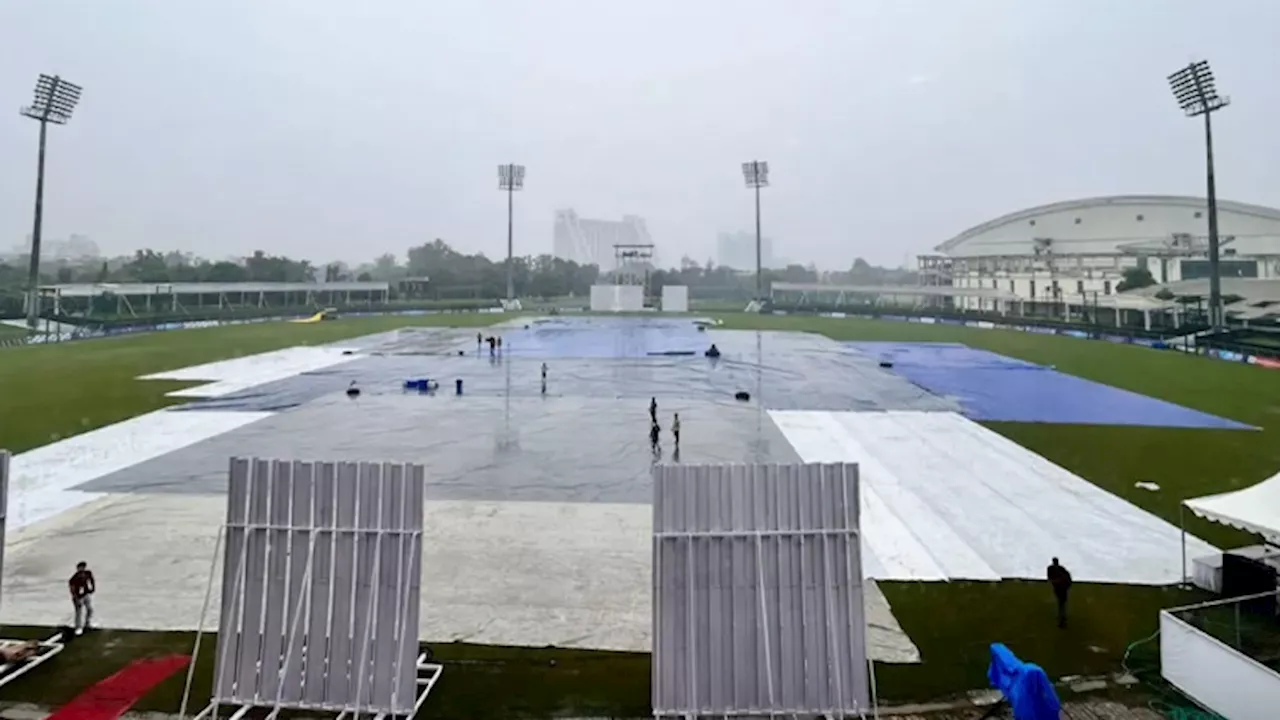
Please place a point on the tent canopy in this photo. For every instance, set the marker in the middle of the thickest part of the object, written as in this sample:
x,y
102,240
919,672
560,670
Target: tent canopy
x,y
1255,508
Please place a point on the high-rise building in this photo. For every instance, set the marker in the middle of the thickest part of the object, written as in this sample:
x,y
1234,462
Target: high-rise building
x,y
738,251
590,242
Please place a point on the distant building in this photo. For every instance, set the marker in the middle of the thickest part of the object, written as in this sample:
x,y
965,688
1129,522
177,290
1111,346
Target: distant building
x,y
590,242
1082,248
738,251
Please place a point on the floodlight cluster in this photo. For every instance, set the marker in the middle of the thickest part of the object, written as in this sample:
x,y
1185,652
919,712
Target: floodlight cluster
x,y
510,177
756,173
1195,90
55,100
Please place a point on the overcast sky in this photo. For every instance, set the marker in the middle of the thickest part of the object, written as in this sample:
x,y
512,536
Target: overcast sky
x,y
340,129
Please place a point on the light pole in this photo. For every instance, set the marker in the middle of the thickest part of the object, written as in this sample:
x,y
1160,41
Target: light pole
x,y
510,179
756,173
55,99
1194,89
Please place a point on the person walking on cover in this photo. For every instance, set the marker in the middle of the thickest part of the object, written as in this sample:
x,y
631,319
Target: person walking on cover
x,y
544,378
1060,580
675,429
653,411
82,586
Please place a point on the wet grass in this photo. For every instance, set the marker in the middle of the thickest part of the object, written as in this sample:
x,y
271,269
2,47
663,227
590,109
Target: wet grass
x,y
479,681
954,625
51,392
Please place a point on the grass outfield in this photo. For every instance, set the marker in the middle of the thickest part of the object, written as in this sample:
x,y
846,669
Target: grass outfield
x,y
51,392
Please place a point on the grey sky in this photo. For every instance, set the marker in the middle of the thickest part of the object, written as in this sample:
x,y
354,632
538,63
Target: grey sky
x,y
338,129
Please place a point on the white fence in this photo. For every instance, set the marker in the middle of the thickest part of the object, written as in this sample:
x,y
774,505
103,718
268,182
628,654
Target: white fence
x,y
1210,670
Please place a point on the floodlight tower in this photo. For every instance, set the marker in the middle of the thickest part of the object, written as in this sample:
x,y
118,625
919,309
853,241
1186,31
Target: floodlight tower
x,y
510,179
756,173
55,100
1194,89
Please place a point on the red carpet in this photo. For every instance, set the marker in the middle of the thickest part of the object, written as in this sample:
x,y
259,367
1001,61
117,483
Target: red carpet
x,y
110,698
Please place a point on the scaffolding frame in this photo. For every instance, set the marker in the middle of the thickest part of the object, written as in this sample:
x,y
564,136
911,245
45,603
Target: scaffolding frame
x,y
758,606
48,648
315,557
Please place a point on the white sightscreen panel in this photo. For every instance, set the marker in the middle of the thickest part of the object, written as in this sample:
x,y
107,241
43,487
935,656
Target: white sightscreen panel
x,y
758,603
1214,675
630,298
321,586
675,298
604,298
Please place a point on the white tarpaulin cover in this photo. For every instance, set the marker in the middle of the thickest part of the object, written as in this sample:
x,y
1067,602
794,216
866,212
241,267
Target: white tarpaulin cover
x,y
1255,508
944,498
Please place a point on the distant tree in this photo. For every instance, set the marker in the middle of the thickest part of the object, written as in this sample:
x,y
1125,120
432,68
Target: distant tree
x,y
1135,278
385,267
146,266
225,272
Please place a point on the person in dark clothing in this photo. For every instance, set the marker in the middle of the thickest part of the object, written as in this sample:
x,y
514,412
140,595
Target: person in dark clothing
x,y
675,429
82,586
655,434
653,411
479,340
1060,580
544,378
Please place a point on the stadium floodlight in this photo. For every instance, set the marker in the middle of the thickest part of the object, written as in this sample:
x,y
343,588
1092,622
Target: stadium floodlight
x,y
55,100
510,179
1197,94
756,173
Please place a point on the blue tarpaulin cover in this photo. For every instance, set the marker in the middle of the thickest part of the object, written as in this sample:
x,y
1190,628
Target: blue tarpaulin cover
x,y
1003,389
1025,686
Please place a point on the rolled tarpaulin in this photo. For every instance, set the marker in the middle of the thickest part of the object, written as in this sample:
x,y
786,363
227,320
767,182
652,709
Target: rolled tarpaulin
x,y
1025,686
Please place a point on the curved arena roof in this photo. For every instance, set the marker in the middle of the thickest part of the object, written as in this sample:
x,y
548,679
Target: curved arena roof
x,y
1029,215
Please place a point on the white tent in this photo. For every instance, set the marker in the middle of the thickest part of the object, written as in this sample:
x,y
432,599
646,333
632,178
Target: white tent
x,y
1254,509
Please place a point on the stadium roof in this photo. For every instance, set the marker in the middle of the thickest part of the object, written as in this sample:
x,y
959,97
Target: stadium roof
x,y
918,290
1125,301
1197,203
145,289
1260,297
